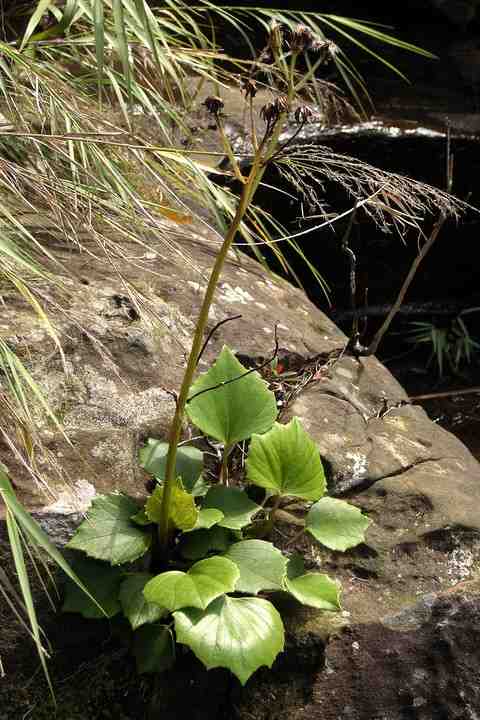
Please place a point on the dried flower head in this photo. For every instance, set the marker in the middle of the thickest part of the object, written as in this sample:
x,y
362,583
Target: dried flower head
x,y
301,39
214,104
275,37
249,86
282,104
327,48
272,110
303,114
269,113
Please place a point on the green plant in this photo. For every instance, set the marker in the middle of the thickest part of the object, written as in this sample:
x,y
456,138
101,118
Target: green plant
x,y
450,345
157,561
206,587
68,158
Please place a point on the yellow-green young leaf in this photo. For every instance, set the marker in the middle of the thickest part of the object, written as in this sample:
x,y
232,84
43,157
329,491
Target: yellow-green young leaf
x,y
286,460
205,581
261,566
183,511
102,581
236,506
311,588
240,634
236,410
336,524
108,532
153,649
135,608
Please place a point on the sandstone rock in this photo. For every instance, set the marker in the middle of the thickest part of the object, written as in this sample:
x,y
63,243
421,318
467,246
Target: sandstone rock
x,y
385,654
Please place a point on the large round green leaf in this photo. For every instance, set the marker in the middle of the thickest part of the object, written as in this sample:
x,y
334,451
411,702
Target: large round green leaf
x,y
205,581
240,634
234,411
286,460
207,518
108,533
311,588
261,565
135,608
336,524
234,503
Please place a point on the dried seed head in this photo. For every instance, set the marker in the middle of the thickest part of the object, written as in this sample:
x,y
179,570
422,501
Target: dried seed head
x,y
249,86
214,104
327,48
272,110
275,37
302,39
282,104
269,113
304,114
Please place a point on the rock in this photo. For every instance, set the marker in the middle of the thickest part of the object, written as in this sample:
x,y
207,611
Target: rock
x,y
424,668
113,385
418,483
407,639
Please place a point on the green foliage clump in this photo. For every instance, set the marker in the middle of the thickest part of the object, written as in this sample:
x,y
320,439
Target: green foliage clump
x,y
208,587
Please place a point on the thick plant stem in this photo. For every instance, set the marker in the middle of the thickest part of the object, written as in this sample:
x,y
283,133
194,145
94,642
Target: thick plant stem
x,y
176,427
262,157
254,179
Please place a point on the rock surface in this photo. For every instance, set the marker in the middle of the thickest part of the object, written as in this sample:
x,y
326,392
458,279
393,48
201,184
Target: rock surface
x,y
406,644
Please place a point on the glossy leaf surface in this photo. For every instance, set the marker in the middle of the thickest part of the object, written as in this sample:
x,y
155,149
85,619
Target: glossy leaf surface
x,y
234,411
240,634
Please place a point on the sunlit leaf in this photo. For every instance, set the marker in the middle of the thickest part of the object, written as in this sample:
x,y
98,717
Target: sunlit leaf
x,y
183,511
262,566
312,588
108,532
336,524
205,581
234,411
286,460
240,634
207,518
236,506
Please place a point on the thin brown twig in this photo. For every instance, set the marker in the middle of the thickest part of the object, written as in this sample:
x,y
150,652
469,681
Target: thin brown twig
x,y
447,393
239,377
213,331
373,347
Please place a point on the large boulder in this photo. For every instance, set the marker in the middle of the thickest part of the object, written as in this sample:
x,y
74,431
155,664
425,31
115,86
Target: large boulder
x,y
407,639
